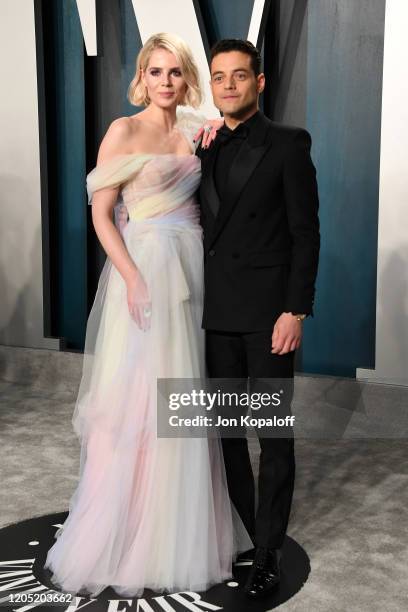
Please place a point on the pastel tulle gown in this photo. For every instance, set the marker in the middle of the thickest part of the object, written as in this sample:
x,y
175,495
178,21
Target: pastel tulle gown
x,y
148,511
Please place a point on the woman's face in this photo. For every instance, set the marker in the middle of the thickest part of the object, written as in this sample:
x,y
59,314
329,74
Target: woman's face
x,y
165,84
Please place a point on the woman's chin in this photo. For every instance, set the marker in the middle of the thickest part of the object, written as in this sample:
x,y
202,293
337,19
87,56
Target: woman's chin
x,y
166,102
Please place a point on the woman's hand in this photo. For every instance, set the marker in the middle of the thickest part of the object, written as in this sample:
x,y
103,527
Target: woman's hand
x,y
208,134
140,307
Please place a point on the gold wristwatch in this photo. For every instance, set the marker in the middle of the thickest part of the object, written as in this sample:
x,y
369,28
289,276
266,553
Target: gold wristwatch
x,y
300,317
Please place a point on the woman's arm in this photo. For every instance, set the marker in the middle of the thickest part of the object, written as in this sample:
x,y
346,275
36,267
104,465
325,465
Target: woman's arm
x,y
103,203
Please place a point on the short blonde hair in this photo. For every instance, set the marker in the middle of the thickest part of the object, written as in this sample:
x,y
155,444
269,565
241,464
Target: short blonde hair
x,y
137,93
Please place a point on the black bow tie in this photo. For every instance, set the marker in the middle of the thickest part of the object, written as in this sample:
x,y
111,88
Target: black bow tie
x,y
225,133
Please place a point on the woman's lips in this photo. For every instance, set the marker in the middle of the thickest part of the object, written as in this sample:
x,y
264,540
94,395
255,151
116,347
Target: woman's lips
x,y
166,94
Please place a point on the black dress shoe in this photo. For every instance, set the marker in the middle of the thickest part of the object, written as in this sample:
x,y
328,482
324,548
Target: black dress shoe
x,y
264,576
245,558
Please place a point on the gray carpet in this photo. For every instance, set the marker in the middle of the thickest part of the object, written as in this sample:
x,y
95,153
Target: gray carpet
x,y
350,505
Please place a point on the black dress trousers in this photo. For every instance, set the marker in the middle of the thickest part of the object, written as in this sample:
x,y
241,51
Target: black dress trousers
x,y
237,355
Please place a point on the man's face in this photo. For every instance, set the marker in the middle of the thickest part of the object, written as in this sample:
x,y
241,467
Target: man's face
x,y
234,86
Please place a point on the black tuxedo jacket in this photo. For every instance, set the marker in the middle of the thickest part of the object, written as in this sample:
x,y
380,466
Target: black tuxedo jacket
x,y
261,249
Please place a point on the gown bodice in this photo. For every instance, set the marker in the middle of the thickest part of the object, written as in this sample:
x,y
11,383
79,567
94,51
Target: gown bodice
x,y
151,184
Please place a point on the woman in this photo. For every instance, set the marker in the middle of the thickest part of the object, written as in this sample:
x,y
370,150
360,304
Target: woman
x,y
148,512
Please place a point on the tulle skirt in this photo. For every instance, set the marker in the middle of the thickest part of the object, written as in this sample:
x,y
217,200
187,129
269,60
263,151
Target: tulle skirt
x,y
148,512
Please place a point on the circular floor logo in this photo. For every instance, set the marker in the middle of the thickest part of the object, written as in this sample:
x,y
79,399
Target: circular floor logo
x,y
25,584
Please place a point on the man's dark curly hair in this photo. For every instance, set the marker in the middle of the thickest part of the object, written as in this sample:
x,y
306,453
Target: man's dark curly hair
x,y
236,44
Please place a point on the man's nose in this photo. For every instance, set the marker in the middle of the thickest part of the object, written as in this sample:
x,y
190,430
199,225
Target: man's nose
x,y
229,82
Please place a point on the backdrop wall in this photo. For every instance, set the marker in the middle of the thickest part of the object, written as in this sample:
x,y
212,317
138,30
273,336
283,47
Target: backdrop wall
x,y
21,240
324,67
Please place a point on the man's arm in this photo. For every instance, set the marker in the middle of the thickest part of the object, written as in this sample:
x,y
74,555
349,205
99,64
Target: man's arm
x,y
302,204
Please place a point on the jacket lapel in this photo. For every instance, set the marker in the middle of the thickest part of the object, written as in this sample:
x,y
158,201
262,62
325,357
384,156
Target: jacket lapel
x,y
247,159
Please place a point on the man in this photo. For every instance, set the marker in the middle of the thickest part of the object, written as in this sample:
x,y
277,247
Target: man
x,y
259,205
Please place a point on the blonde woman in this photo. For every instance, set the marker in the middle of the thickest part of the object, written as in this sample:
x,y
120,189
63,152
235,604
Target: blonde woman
x,y
148,511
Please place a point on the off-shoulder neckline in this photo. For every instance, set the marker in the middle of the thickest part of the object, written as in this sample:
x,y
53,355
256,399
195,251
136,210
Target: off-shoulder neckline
x,y
145,155
157,154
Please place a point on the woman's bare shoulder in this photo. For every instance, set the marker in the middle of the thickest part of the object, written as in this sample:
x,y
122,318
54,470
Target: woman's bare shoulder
x,y
117,138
